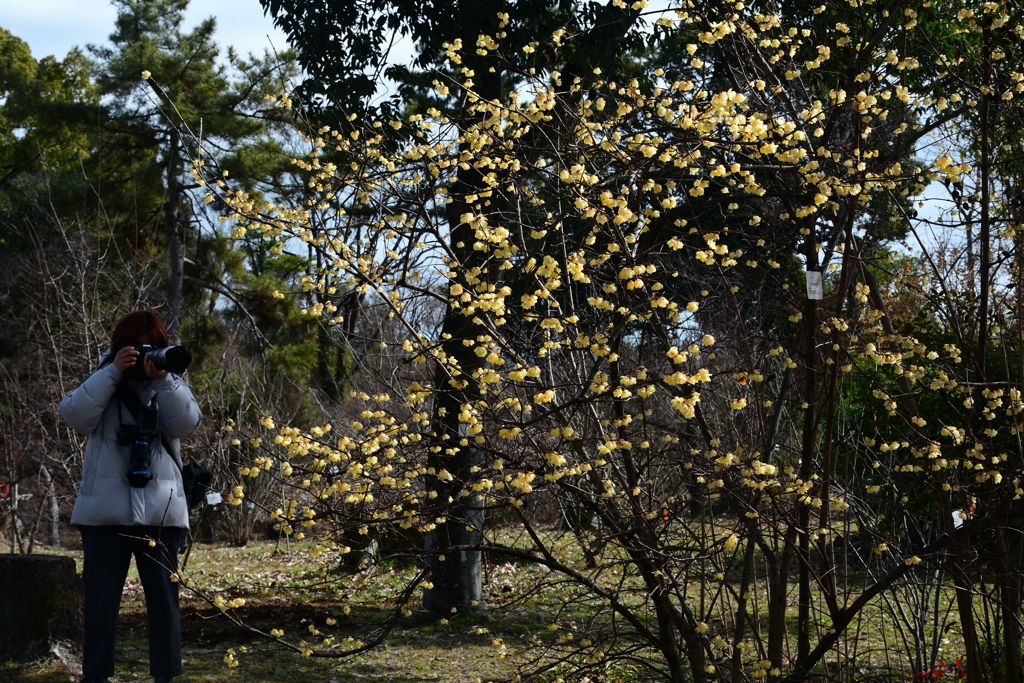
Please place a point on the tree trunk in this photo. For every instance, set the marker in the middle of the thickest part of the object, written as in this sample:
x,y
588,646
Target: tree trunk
x,y
808,459
52,507
16,540
324,379
739,631
777,598
986,201
1009,545
171,210
456,574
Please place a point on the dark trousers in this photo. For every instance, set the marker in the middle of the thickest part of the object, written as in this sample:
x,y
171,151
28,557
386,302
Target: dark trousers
x,y
108,551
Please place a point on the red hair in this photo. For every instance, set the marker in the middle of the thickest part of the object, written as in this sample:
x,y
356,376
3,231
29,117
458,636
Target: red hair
x,y
137,324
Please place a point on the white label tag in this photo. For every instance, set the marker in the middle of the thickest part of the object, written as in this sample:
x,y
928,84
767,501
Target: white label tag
x,y
814,289
213,498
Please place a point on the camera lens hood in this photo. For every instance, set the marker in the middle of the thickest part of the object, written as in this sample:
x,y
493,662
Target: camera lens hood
x,y
174,359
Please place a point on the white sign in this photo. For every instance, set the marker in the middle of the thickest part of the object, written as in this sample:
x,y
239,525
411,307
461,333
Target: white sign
x,y
213,498
958,518
814,289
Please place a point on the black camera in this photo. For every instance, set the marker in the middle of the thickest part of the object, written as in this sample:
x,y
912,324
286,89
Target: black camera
x,y
170,358
140,437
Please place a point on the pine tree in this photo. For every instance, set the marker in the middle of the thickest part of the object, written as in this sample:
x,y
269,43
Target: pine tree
x,y
169,101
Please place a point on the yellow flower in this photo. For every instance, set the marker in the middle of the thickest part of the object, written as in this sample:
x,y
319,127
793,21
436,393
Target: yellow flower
x,y
146,75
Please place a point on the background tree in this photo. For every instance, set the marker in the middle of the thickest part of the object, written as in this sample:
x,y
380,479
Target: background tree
x,y
339,82
187,90
98,189
588,186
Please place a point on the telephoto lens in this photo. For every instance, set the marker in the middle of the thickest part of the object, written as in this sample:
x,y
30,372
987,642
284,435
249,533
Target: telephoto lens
x,y
172,359
139,463
147,431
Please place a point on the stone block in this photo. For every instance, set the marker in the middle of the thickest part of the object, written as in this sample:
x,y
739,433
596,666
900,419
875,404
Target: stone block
x,y
40,606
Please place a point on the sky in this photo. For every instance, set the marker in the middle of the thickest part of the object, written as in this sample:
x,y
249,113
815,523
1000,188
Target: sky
x,y
52,27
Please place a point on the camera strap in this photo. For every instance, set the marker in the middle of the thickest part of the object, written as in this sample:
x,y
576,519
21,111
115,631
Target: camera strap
x,y
130,400
195,477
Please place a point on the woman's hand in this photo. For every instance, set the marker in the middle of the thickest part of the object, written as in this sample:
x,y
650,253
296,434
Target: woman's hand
x,y
152,371
126,358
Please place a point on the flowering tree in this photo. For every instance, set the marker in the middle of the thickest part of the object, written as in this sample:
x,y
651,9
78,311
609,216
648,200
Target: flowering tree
x,y
626,331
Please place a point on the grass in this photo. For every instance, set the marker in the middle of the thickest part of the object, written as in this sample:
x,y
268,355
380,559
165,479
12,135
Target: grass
x,y
285,591
280,593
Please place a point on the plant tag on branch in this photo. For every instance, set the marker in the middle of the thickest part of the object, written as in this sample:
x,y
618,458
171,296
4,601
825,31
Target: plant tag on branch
x,y
213,498
814,290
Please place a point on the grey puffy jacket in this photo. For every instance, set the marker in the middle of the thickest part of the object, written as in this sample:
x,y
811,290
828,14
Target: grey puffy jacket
x,y
105,497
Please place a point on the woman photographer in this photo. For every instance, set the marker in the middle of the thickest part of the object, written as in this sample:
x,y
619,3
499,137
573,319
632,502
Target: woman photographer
x,y
144,514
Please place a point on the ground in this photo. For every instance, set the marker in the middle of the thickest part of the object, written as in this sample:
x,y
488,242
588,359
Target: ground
x,y
532,615
279,594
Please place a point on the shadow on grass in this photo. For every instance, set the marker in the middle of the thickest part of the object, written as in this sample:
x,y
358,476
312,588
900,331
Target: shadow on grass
x,y
208,627
416,650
